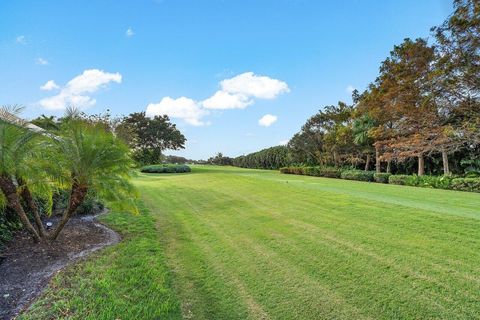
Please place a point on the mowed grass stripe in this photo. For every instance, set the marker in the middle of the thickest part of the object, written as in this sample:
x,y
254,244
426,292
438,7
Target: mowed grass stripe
x,y
275,273
308,214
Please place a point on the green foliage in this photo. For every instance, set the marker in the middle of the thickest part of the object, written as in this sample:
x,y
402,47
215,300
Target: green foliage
x,y
8,225
403,179
358,175
466,184
166,168
381,177
270,158
330,172
148,137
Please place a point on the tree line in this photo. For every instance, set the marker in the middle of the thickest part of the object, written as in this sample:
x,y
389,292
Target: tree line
x,y
420,115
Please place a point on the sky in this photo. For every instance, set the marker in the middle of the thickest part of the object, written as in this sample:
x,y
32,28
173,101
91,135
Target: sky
x,y
236,76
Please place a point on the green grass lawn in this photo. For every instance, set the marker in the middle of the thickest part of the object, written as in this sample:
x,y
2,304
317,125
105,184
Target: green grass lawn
x,y
227,243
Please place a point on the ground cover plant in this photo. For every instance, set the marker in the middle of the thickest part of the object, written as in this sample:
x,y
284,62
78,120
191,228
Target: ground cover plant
x,y
227,243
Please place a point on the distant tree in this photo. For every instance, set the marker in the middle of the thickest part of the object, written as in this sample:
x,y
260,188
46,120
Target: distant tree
x,y
361,132
270,158
220,160
149,137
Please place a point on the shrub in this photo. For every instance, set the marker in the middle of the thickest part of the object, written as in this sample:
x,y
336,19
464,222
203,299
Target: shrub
x,y
311,171
438,182
403,179
285,170
166,168
358,175
466,184
329,172
381,177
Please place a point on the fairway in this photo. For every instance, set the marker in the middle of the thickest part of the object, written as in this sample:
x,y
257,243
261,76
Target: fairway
x,y
229,243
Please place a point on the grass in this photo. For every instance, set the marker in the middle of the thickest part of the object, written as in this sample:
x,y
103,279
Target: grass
x,y
227,243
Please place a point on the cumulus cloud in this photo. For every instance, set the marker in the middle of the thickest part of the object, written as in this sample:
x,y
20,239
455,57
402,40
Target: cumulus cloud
x,y
283,142
129,33
350,88
239,92
267,120
41,61
225,100
249,84
49,85
182,108
21,40
78,90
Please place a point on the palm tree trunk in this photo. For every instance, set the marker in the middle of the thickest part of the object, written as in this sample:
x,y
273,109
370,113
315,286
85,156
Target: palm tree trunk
x,y
32,206
421,165
446,168
10,191
367,162
77,195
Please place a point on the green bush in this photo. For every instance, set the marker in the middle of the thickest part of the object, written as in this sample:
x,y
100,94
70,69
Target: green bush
x,y
329,172
166,168
466,184
381,177
311,171
403,179
437,182
358,175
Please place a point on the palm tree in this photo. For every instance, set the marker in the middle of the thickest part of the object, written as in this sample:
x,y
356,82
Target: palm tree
x,y
17,149
361,128
81,156
86,158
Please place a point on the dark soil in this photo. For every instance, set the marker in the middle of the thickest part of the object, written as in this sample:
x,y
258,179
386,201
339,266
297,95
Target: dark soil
x,y
26,267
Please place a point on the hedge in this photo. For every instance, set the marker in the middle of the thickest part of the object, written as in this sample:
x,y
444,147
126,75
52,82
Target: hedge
x,y
466,184
381,177
403,179
437,182
358,175
166,168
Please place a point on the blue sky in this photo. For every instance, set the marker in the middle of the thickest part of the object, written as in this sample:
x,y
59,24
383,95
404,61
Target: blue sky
x,y
280,58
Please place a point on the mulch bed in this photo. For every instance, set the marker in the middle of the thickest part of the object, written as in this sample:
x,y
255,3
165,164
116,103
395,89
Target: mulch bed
x,y
26,267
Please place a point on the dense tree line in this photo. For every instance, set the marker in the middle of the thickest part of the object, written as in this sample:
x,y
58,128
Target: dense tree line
x,y
270,158
421,114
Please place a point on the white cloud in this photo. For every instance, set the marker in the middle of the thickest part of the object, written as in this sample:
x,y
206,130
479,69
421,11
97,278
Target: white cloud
x,y
49,85
75,92
350,88
235,93
238,92
129,33
182,108
267,120
251,85
41,61
283,142
225,100
21,40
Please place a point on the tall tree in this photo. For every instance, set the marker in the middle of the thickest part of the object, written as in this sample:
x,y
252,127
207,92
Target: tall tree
x,y
149,137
